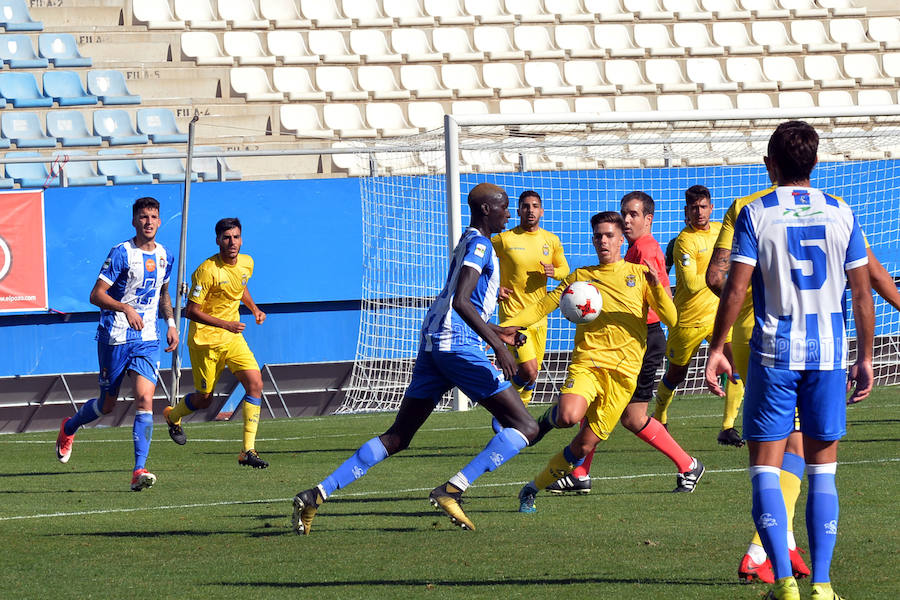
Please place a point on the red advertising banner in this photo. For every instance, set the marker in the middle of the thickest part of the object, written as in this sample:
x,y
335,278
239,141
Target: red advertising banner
x,y
23,252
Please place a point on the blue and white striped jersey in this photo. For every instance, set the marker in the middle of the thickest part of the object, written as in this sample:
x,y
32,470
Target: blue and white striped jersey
x,y
801,242
135,278
442,328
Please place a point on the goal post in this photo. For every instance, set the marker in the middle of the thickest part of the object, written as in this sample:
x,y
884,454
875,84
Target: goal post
x,y
414,209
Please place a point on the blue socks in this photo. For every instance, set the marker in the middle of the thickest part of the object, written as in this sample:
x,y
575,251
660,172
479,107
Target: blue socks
x,y
500,449
142,432
822,519
89,411
247,398
570,457
369,454
770,516
793,464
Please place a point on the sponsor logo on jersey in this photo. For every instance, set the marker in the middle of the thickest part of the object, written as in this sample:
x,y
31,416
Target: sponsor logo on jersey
x,y
480,250
801,212
685,260
150,265
198,289
106,264
630,280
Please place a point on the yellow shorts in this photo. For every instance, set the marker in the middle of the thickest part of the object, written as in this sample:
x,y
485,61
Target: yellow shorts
x,y
685,340
607,393
207,362
533,349
740,347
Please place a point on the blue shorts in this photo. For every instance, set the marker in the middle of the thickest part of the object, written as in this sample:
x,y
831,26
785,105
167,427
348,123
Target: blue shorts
x,y
438,371
772,395
139,357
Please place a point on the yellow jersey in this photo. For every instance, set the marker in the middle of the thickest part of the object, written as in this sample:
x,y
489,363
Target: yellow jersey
x,y
617,338
218,288
693,249
520,254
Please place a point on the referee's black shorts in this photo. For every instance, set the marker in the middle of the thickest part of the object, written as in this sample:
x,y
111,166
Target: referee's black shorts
x,y
653,360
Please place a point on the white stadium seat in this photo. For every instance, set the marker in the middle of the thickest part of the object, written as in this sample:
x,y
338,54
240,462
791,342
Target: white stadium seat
x,y
381,83
687,10
626,74
617,38
609,10
544,76
586,76
332,47
465,82
865,68
785,71
356,165
577,41
748,72
773,36
551,105
753,100
852,33
388,119
726,9
247,48
199,14
515,106
885,30
592,104
647,9
735,38
203,47
455,43
530,11
707,73
156,14
675,102
241,14
290,48
495,43
297,84
812,35
365,13
835,98
423,81
890,63
488,11
448,12
339,84
535,40
874,98
714,102
347,121
694,37
425,115
656,39
795,100
253,84
469,107
303,120
284,14
413,46
668,75
373,46
506,79
826,71
409,13
324,13
766,9
632,104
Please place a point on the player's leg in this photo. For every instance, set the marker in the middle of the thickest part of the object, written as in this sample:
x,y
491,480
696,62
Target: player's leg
x,y
681,346
569,407
529,357
144,373
206,366
241,362
734,395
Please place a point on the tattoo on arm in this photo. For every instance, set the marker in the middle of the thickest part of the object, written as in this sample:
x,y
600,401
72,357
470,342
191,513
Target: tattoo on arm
x,y
165,304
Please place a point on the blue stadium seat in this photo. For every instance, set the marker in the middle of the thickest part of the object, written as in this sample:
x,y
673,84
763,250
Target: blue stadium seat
x,y
61,50
159,124
165,170
6,183
66,89
114,126
121,172
22,91
29,175
17,52
110,87
78,172
70,129
4,143
208,168
14,16
24,130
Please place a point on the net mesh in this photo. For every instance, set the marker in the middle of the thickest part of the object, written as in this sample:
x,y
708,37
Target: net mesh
x,y
580,170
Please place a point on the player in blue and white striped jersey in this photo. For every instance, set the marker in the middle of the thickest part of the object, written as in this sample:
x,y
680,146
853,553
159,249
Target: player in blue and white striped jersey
x,y
799,246
451,354
131,289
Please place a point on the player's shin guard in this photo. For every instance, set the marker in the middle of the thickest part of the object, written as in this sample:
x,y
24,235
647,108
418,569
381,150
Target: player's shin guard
x,y
559,466
664,394
500,449
369,454
251,407
181,410
770,517
657,436
734,394
142,432
89,411
822,518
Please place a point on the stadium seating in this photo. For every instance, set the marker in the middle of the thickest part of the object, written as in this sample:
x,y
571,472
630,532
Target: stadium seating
x,y
388,119
14,16
380,83
21,90
886,31
212,168
414,46
30,174
303,120
372,46
347,121
241,14
164,170
246,48
114,126
455,44
159,125
324,13
17,52
77,172
338,84
408,13
290,48
69,129
109,86
203,47
253,84
297,84
332,47
156,14
24,130
365,14
61,50
66,89
198,14
124,171
284,14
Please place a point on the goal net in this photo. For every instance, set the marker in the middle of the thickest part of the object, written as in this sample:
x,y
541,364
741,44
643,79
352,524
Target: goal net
x,y
580,169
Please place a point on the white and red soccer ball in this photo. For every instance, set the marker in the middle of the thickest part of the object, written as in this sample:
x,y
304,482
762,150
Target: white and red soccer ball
x,y
581,302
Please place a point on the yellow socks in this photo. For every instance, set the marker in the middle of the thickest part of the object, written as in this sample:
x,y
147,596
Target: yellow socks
x,y
790,489
251,421
734,394
559,466
664,395
180,410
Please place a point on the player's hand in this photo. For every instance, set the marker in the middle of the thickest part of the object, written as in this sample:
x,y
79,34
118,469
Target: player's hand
x,y
651,274
862,376
716,364
260,317
234,326
511,335
503,293
548,269
134,319
172,338
507,362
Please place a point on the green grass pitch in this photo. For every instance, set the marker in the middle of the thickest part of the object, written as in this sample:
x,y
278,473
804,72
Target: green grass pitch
x,y
211,529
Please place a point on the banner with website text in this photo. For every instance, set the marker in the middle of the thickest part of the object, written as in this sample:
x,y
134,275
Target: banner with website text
x,y
23,252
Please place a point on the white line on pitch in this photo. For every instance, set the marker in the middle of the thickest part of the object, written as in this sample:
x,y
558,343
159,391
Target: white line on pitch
x,y
369,493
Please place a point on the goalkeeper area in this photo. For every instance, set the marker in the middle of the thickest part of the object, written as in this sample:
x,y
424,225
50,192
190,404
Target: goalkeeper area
x,y
414,205
210,530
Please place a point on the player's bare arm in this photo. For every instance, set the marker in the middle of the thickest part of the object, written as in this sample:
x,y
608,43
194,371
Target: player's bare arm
x,y
733,296
166,312
193,312
259,315
882,281
717,271
861,372
462,304
101,298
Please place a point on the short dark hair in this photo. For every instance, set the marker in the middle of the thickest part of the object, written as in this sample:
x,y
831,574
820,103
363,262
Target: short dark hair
x,y
793,148
647,203
609,216
227,223
695,193
530,194
145,202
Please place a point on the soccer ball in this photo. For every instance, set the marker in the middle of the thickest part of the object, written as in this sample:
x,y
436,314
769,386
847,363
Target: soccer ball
x,y
581,302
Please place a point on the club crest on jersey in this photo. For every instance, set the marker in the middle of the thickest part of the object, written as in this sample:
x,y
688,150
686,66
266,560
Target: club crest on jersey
x,y
150,265
685,260
546,249
801,197
630,280
480,250
244,280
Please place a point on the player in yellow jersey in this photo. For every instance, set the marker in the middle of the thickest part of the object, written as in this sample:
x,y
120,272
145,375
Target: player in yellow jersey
x,y
696,305
528,255
608,351
215,341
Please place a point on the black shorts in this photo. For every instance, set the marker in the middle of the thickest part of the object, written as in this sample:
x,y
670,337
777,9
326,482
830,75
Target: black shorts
x,y
653,360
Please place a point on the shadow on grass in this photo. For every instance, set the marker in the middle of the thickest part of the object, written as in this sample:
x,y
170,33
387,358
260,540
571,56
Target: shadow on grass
x,y
580,581
70,473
